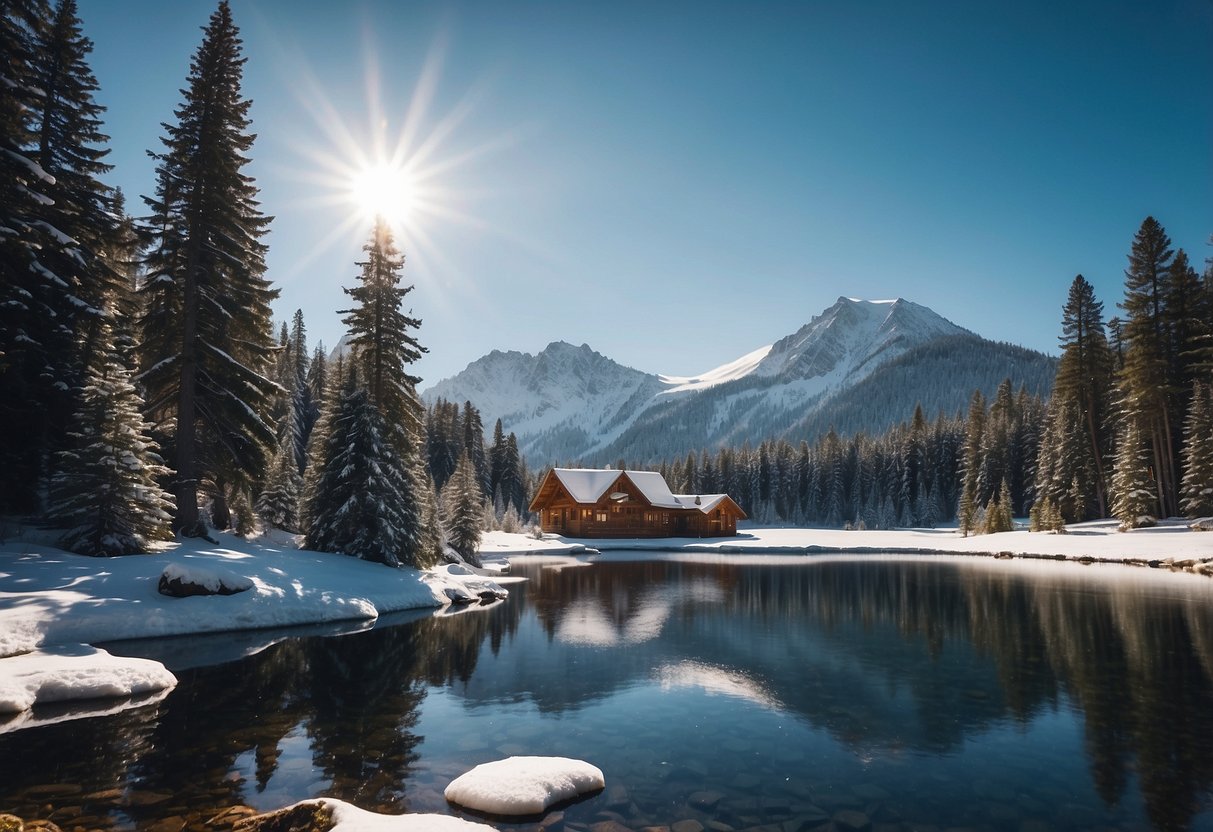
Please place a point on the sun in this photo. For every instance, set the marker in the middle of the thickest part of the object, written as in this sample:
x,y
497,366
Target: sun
x,y
384,191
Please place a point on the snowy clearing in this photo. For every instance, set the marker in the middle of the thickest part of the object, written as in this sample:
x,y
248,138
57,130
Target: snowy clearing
x,y
523,785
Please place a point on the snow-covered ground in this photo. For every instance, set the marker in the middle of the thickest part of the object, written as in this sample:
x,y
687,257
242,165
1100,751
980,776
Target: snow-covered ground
x,y
53,604
1170,540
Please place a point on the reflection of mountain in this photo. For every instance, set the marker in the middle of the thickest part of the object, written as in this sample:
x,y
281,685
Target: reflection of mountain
x,y
910,654
917,656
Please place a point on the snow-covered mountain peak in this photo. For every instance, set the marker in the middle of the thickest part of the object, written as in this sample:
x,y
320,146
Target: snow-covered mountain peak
x,y
572,403
844,339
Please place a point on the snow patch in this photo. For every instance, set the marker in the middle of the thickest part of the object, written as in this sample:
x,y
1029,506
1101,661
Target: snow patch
x,y
76,671
524,785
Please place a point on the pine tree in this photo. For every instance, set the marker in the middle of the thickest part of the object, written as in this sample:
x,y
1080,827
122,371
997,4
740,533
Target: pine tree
x,y
1134,499
971,464
473,446
464,510
1197,489
1145,380
207,326
278,503
43,269
71,148
106,493
1084,378
381,338
364,502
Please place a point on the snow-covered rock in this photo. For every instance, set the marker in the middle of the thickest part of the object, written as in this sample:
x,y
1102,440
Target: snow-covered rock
x,y
75,671
181,580
1204,524
524,785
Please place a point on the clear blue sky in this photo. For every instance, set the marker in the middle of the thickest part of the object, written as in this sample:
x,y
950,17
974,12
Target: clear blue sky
x,y
678,183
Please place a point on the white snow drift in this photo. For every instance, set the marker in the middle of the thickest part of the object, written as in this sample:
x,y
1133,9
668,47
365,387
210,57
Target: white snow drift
x,y
75,671
523,785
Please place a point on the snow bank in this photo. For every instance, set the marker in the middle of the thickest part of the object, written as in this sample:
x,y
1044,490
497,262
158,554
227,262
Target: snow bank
x,y
48,596
75,671
1098,540
523,785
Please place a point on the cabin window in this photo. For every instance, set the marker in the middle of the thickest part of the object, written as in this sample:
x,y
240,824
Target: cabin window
x,y
602,517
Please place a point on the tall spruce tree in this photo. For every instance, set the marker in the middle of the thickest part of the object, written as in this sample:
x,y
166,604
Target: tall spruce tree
x,y
1146,380
464,510
71,148
48,278
1197,489
970,497
381,339
382,346
206,329
1084,379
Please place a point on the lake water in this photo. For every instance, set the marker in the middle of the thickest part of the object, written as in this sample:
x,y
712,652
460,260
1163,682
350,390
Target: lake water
x,y
780,694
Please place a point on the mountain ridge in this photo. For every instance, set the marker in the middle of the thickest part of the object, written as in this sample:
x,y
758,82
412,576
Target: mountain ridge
x,y
569,402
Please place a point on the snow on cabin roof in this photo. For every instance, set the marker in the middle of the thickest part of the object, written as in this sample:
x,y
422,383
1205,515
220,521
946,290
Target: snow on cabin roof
x,y
707,502
587,485
652,486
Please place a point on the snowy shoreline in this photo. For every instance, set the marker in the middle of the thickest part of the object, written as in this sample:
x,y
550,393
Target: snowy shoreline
x,y
52,603
1171,543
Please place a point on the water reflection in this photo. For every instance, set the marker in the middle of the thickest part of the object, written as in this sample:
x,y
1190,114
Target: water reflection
x,y
890,660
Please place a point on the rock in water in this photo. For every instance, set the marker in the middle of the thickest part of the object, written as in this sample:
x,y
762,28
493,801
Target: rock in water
x,y
524,785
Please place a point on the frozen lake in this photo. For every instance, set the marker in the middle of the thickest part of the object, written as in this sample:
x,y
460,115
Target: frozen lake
x,y
782,694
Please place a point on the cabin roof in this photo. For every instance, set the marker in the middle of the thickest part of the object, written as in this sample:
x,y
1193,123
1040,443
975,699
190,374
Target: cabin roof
x,y
587,485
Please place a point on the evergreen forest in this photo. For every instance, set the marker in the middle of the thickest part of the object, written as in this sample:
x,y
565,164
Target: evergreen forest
x,y
146,390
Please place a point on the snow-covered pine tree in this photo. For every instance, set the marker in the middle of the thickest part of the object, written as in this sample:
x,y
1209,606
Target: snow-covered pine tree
x,y
971,464
39,366
1145,380
473,445
463,505
71,148
381,339
303,404
1197,489
278,503
1134,498
364,501
105,492
1085,381
206,329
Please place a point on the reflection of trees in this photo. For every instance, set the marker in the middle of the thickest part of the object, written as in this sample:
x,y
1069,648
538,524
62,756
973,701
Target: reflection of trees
x,y
365,696
356,698
857,635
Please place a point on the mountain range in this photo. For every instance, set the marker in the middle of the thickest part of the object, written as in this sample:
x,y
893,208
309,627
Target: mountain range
x,y
859,365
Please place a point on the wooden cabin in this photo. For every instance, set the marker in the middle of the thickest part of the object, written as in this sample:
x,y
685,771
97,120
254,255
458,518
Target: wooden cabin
x,y
591,502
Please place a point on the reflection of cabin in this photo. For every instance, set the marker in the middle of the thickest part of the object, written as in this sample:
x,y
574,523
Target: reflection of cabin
x,y
589,502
